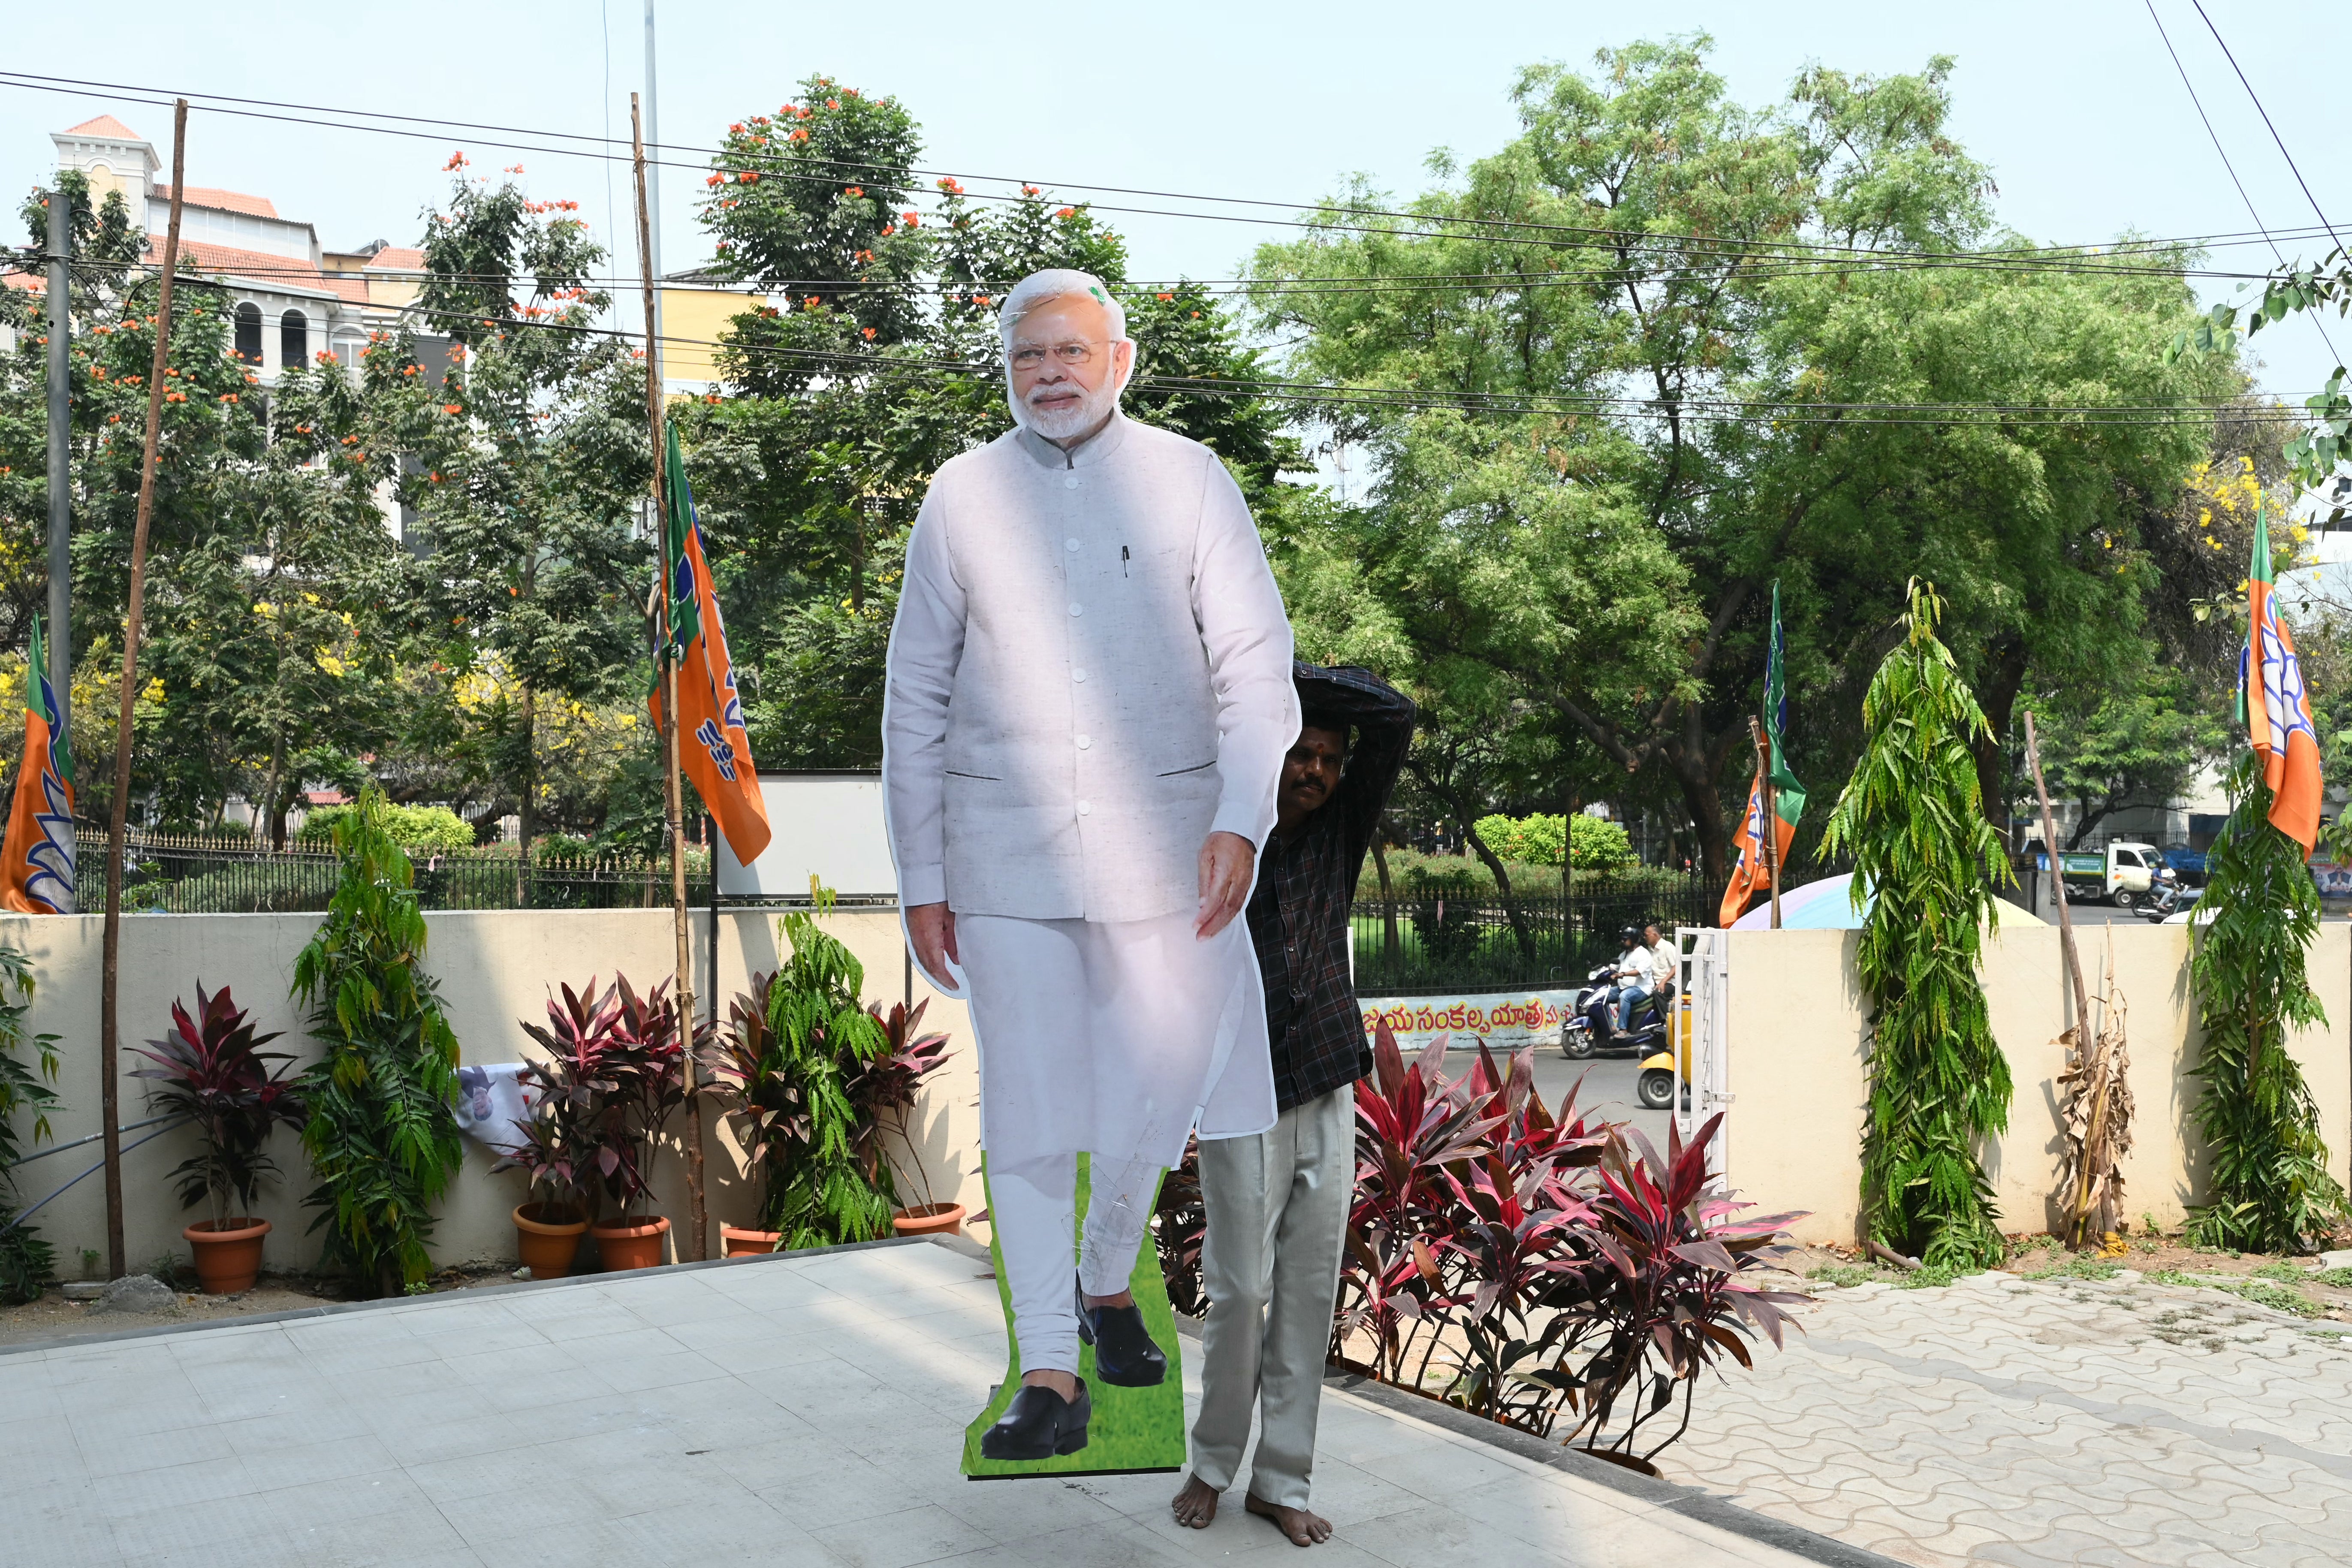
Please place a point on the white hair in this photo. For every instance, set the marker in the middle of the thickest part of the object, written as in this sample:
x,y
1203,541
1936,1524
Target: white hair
x,y
1038,289
1059,283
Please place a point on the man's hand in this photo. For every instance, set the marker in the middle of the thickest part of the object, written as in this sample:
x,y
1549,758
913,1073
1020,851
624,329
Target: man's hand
x,y
931,926
1225,862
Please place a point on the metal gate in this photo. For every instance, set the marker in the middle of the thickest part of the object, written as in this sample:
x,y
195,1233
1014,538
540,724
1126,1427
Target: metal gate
x,y
1706,1024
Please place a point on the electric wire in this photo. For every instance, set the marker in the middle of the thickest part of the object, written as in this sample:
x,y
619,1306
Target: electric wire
x,y
2215,137
2275,137
1706,244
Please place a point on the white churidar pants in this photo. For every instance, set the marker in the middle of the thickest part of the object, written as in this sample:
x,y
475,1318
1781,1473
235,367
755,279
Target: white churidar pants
x,y
1115,1038
1278,1215
1033,1206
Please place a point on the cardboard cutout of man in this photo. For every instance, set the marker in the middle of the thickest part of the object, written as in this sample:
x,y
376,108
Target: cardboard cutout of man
x,y
1087,707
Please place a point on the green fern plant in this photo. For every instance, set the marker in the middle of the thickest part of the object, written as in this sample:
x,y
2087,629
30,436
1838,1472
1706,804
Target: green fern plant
x,y
1913,821
785,1065
381,1134
26,1262
2267,1187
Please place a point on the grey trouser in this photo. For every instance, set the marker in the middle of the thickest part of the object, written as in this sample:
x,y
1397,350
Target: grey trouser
x,y
1277,1211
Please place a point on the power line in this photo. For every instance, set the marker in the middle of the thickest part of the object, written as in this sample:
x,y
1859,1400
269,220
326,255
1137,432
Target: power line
x,y
1717,247
2266,123
2215,137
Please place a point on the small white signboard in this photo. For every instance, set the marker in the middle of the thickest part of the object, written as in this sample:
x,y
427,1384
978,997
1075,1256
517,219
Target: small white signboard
x,y
828,824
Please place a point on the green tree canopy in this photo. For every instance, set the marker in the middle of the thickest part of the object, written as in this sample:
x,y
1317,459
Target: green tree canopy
x,y
1621,374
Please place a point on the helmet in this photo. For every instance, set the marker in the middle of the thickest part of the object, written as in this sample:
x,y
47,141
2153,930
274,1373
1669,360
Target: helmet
x,y
1631,933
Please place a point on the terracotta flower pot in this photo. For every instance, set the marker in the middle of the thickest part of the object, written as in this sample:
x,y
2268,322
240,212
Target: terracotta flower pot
x,y
228,1253
548,1243
626,1243
929,1219
741,1243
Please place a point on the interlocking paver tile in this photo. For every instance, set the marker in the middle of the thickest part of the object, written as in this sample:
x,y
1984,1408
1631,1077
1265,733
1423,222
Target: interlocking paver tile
x,y
2039,1423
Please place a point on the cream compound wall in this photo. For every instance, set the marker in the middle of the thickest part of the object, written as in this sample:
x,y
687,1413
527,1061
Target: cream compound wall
x,y
495,969
1797,1067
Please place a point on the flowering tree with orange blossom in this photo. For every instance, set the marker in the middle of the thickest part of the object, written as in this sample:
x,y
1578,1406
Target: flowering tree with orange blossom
x,y
872,360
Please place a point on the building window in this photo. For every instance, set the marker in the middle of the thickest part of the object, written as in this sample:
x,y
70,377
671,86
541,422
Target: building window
x,y
293,339
248,333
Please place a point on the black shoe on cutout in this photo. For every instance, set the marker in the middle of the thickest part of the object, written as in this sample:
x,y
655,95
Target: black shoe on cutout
x,y
1039,1425
1125,1355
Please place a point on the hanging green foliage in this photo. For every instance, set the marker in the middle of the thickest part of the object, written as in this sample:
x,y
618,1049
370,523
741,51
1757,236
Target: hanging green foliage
x,y
2267,1185
381,1134
26,1262
1913,821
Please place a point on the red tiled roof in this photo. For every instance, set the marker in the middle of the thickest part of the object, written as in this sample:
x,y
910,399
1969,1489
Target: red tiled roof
x,y
31,282
221,201
105,125
395,256
355,289
257,265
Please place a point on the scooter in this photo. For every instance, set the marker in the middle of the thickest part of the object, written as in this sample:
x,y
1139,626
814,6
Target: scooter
x,y
1591,1028
2166,898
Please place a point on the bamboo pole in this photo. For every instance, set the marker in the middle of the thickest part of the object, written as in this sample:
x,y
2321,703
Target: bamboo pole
x,y
2088,1043
110,1007
697,1244
1768,830
2058,882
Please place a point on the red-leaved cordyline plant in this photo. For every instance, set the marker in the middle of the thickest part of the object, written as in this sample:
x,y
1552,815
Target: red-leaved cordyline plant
x,y
1564,1267
615,1071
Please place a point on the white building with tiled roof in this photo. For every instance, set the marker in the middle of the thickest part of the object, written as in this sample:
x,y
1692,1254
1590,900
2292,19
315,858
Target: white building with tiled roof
x,y
292,299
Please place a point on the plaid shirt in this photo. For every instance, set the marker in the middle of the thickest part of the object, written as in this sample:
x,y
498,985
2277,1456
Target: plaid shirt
x,y
1298,913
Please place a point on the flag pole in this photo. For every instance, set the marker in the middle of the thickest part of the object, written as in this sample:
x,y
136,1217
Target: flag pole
x,y
696,1245
1767,830
110,1004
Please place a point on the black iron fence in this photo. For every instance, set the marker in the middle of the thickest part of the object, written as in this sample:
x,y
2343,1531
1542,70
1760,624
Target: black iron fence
x,y
205,875
1430,944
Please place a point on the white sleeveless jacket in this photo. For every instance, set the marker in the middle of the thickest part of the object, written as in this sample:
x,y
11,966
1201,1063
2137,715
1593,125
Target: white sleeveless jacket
x,y
1089,672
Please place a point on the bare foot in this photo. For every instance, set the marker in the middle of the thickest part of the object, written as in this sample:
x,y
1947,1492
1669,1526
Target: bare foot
x,y
1062,1382
1196,1505
1303,1526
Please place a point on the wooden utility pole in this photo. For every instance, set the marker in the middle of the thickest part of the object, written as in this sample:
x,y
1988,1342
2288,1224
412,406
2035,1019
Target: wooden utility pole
x,y
110,987
697,1244
1768,845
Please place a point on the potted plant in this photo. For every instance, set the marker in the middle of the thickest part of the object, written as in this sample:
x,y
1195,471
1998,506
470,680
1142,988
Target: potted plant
x,y
883,1096
615,1072
558,1147
782,1069
211,1069
739,1068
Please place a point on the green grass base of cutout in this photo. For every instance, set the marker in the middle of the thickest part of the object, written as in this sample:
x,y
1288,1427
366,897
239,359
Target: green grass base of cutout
x,y
1133,1429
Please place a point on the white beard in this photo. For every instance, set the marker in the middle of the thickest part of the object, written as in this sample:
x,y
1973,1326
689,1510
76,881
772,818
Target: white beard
x,y
1072,419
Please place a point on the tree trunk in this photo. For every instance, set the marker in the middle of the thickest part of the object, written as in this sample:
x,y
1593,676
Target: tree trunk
x,y
2005,678
1696,781
269,822
527,793
1520,932
1391,943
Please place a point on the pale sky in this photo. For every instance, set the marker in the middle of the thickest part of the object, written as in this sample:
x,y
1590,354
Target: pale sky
x,y
2076,106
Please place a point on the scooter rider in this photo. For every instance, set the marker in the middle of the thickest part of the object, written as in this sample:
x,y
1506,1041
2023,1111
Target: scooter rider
x,y
1635,971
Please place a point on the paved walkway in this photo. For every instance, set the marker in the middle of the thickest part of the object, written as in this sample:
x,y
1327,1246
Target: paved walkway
x,y
2044,1422
781,1411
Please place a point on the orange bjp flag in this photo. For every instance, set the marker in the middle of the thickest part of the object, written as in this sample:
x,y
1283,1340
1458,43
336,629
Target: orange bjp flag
x,y
36,862
2275,705
712,747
